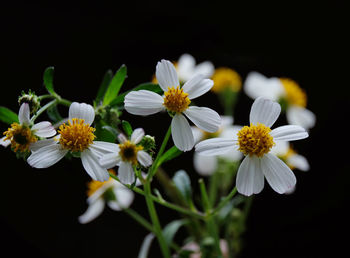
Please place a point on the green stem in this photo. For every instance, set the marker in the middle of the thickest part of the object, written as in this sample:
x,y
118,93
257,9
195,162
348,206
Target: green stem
x,y
139,219
210,219
155,221
155,164
224,201
41,110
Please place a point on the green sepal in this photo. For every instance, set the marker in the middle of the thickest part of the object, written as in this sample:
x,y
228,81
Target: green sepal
x,y
115,85
8,116
48,79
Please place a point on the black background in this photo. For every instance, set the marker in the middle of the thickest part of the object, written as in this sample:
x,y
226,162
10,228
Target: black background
x,y
39,208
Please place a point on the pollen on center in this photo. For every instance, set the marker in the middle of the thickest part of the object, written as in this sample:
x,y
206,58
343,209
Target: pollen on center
x,y
128,152
176,100
76,136
255,140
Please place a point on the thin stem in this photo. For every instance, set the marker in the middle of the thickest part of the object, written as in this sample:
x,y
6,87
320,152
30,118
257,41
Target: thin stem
x,y
41,110
210,219
139,219
224,201
155,221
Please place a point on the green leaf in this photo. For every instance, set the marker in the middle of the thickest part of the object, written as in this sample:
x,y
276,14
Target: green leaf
x,y
107,78
170,229
119,101
146,245
48,79
102,133
183,183
170,154
115,85
7,116
127,128
53,114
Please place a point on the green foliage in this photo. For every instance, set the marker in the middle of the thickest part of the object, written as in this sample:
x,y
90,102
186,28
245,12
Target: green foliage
x,y
127,128
54,114
7,116
115,85
183,183
170,229
48,79
107,78
170,154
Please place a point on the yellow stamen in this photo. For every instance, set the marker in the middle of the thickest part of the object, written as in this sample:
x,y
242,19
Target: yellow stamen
x,y
94,185
128,152
226,78
294,94
76,136
287,155
176,100
20,136
255,140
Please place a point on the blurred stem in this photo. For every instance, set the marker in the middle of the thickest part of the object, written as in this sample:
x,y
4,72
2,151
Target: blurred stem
x,y
213,187
139,219
224,201
211,225
228,100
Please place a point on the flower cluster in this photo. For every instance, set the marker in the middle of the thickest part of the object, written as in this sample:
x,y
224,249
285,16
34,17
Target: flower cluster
x,y
232,158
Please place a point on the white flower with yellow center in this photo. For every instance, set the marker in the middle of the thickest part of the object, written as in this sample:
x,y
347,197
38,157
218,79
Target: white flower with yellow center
x,y
176,101
285,91
207,165
255,142
186,68
77,136
126,155
111,192
22,135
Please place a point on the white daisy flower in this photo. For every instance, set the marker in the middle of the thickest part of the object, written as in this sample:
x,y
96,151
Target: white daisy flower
x,y
285,91
22,135
126,155
255,142
186,68
207,165
176,101
111,192
78,137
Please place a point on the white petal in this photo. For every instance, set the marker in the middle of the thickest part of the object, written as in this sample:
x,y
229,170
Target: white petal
x,y
109,160
204,165
144,158
280,148
230,132
204,118
124,197
277,173
166,75
143,102
122,138
197,86
92,212
257,85
42,143
226,121
24,114
4,142
44,129
100,191
100,148
264,111
232,155
288,133
301,116
137,135
181,133
92,166
206,68
82,111
185,67
215,146
197,134
299,162
46,156
250,179
126,173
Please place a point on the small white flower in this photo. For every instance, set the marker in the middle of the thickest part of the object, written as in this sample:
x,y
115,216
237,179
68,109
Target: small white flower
x,y
207,165
187,68
77,136
126,155
255,142
111,192
285,90
176,101
22,136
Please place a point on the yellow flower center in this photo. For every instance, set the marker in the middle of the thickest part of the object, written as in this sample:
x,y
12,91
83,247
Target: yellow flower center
x,y
94,185
175,100
294,94
76,136
255,140
128,152
226,78
20,136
